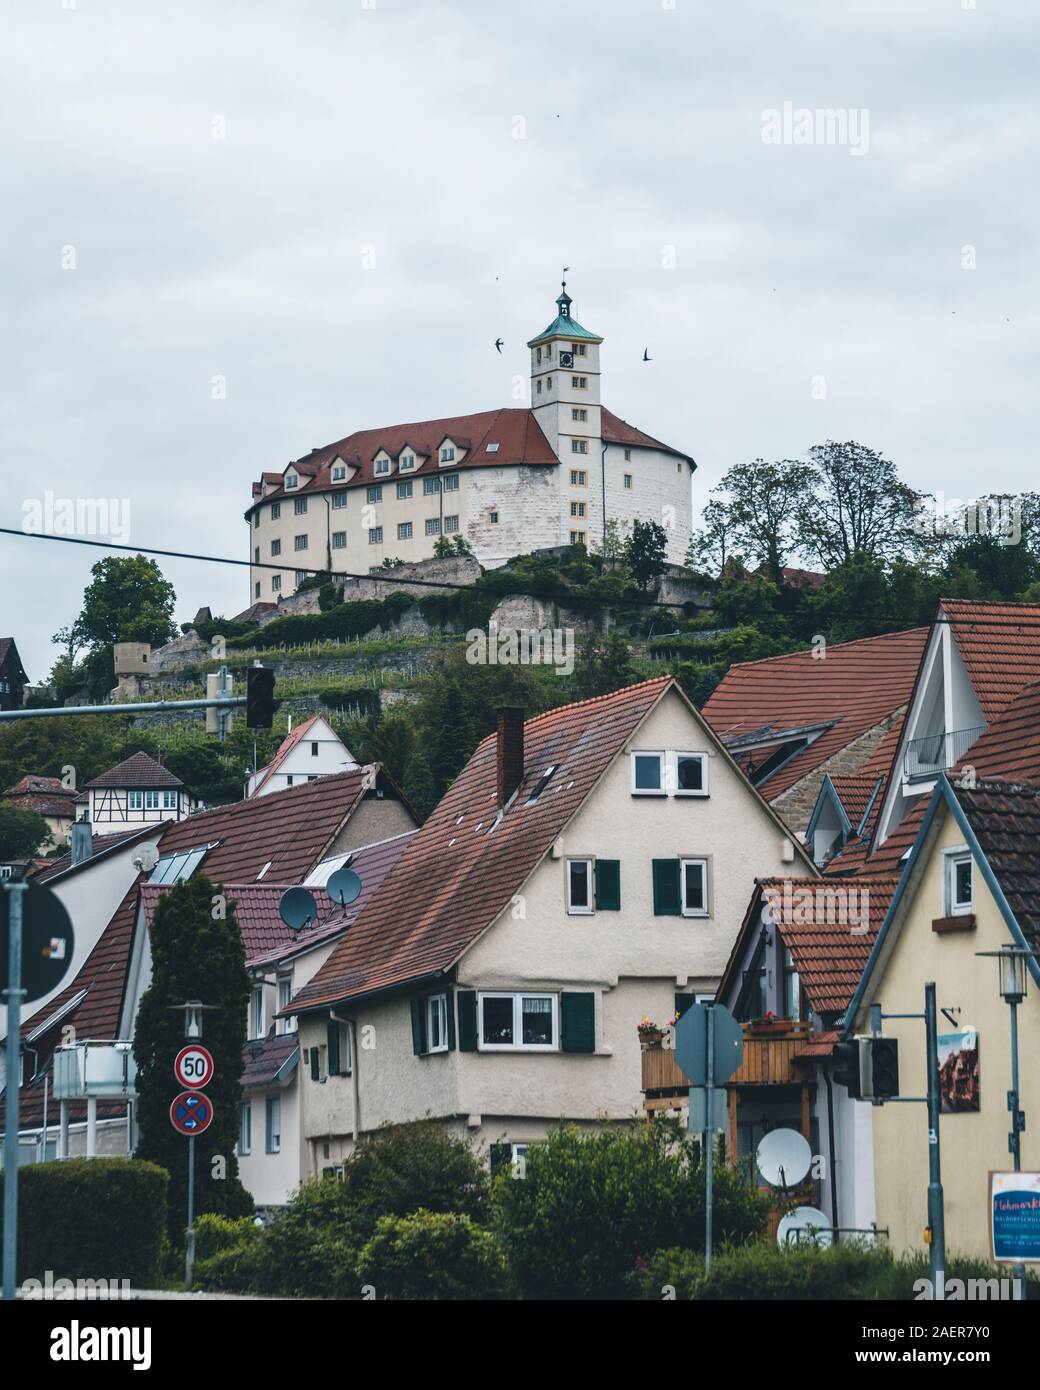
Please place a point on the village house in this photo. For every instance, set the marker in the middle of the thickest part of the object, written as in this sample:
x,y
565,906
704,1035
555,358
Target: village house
x,y
505,481
50,798
313,749
970,885
280,838
136,791
582,870
13,679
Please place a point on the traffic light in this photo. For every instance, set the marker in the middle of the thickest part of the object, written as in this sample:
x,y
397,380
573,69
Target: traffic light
x,y
847,1071
884,1067
260,701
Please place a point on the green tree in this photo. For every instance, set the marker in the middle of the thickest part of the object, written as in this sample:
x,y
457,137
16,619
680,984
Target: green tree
x,y
855,504
23,833
128,600
604,664
756,513
592,1204
646,552
437,1256
197,953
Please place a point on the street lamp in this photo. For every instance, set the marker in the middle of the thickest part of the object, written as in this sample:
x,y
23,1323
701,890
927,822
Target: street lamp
x,y
192,1009
1011,964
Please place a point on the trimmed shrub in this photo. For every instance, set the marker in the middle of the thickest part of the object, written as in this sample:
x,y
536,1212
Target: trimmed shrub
x,y
433,1255
593,1204
764,1272
92,1218
215,1233
309,1248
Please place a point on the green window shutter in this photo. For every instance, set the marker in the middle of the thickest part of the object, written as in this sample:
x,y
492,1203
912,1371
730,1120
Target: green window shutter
x,y
315,1065
608,885
578,1022
501,1158
666,888
467,1020
332,1036
418,1027
682,1003
449,1009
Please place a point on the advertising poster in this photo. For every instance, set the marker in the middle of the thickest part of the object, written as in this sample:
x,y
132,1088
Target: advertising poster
x,y
1014,1202
958,1071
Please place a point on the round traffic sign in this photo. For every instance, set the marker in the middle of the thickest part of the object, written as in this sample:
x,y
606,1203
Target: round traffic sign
x,y
193,1066
191,1113
47,940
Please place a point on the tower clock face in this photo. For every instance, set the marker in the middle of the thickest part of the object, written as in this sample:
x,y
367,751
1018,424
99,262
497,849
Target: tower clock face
x,y
566,359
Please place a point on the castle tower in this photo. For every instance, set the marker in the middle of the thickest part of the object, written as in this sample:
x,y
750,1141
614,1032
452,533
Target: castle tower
x,y
565,394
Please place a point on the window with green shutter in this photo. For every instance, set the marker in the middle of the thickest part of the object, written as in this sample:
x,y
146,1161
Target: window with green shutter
x,y
315,1065
467,1020
667,901
501,1158
608,885
332,1038
577,1021
418,1026
682,1003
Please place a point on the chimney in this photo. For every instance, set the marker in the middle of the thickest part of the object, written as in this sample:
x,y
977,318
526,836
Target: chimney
x,y
81,841
510,750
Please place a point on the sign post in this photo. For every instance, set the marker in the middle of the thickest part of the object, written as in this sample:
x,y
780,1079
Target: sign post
x,y
39,953
191,1114
709,1047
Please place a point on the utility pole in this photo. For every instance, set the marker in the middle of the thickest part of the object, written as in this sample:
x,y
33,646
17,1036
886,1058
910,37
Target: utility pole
x,y
936,1205
15,888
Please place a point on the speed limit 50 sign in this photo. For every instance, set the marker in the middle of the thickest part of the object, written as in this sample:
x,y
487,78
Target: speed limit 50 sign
x,y
193,1067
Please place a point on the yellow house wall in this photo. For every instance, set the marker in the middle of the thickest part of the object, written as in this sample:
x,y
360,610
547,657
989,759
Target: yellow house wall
x,y
971,1143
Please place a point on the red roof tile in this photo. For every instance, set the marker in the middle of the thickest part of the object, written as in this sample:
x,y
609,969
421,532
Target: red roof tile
x,y
855,686
1000,646
139,770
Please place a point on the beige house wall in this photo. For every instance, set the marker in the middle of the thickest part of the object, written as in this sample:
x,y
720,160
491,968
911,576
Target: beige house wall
x,y
971,1143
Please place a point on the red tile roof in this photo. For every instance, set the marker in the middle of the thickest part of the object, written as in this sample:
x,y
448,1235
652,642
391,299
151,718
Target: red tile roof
x,y
856,685
515,430
291,740
1000,646
266,1060
139,770
47,796
856,792
1005,817
461,869
1010,749
292,829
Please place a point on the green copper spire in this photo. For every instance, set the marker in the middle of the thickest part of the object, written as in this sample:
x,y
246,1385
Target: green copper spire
x,y
563,325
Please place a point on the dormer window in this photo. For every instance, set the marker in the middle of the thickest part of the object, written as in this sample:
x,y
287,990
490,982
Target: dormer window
x,y
382,466
406,463
447,453
291,480
339,472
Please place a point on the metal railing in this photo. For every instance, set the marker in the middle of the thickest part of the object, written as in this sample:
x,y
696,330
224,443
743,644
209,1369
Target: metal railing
x,y
928,756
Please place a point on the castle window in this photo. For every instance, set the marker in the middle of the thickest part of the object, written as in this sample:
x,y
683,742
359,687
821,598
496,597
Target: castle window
x,y
447,454
300,506
374,494
291,481
492,518
382,466
578,349
578,509
579,413
256,516
577,538
339,540
276,548
339,499
339,472
404,489
276,583
407,462
258,588
404,530
539,386
538,354
579,478
433,525
548,383
451,482
276,510
451,523
579,383
300,542
375,535
256,555
431,485
579,446
628,455
628,480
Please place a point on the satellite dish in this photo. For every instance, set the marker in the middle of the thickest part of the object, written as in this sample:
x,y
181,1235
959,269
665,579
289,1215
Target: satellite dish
x,y
145,859
783,1157
297,908
804,1226
343,886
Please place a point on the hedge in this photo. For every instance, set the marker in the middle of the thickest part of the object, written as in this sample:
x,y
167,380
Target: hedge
x,y
92,1218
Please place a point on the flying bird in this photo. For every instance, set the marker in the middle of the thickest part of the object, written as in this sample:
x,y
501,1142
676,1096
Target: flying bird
x,y
498,344
646,355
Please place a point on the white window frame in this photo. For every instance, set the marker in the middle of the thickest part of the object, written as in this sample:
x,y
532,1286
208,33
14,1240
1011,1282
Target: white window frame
x,y
450,482
256,1013
285,989
135,801
702,759
704,911
291,482
339,500
590,876
404,530
447,453
437,1006
169,800
659,753
272,1133
951,858
518,1159
299,506
518,996
339,472
406,463
245,1128
381,468
339,540
151,801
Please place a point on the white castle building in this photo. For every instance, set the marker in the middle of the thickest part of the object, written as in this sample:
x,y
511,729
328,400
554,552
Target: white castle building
x,y
507,481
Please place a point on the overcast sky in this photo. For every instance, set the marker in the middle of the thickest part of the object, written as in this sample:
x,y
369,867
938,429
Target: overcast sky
x,y
146,257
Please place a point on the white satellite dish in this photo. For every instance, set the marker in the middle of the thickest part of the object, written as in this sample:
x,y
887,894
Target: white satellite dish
x,y
804,1226
145,859
783,1157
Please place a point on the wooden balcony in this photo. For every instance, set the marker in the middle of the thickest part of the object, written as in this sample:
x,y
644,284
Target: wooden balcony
x,y
769,1060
